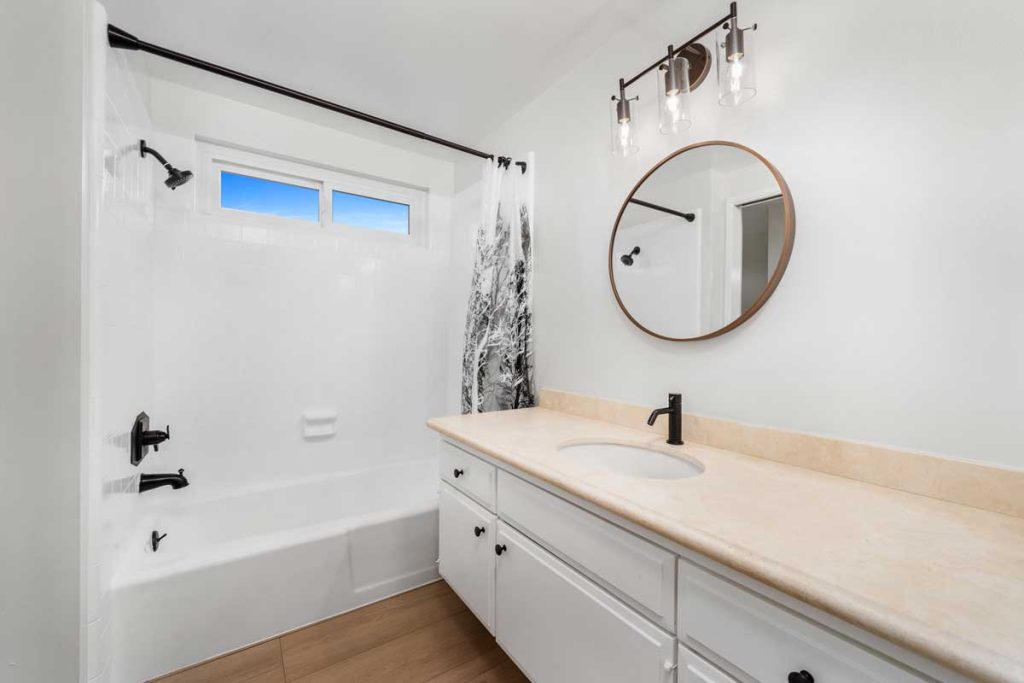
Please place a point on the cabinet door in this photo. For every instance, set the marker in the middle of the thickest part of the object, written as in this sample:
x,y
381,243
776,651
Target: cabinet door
x,y
559,627
695,669
466,552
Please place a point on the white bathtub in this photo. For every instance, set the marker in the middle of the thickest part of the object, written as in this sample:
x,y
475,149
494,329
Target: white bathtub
x,y
244,566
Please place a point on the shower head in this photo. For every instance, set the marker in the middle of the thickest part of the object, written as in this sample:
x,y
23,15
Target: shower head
x,y
627,259
175,177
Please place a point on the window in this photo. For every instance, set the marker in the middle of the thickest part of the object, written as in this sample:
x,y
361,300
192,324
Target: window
x,y
289,194
369,213
259,195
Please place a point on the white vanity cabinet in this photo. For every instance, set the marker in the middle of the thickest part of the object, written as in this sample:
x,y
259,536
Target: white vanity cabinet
x,y
466,552
573,594
560,627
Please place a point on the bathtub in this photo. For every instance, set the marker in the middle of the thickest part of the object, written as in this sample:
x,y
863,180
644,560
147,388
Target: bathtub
x,y
246,565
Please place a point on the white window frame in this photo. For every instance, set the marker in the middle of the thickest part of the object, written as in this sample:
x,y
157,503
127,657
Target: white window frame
x,y
215,157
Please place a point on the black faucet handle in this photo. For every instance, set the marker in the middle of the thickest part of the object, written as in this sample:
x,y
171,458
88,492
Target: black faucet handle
x,y
155,437
181,472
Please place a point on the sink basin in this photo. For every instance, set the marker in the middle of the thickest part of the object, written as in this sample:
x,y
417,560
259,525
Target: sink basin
x,y
632,461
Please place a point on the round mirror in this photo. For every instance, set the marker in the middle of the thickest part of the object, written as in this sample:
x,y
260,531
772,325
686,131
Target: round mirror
x,y
701,242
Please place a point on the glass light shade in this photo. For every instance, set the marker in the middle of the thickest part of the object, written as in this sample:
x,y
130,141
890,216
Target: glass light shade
x,y
623,127
674,96
737,80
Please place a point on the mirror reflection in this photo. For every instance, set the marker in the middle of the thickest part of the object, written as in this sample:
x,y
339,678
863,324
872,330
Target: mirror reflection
x,y
701,242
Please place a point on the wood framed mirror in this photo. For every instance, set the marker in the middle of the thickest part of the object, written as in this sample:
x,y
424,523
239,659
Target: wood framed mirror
x,y
701,242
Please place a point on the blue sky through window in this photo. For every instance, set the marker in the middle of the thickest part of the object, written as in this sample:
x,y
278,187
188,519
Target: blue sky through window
x,y
372,214
259,195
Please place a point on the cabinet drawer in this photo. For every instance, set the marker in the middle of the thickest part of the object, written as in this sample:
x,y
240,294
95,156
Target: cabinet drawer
x,y
766,642
468,474
559,627
466,552
641,572
695,669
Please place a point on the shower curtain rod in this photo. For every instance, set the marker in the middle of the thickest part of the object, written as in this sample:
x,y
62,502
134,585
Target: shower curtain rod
x,y
121,39
657,207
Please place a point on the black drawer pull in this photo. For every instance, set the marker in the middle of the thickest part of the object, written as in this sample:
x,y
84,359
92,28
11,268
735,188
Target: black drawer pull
x,y
458,473
478,530
499,549
800,677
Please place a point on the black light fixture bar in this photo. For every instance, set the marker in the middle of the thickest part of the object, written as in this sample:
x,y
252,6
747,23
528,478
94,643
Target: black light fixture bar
x,y
657,207
123,40
731,16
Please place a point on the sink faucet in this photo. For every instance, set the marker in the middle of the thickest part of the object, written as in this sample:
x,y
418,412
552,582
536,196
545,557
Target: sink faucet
x,y
148,482
675,418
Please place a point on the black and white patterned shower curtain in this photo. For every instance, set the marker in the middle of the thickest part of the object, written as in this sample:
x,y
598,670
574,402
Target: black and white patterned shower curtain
x,y
497,360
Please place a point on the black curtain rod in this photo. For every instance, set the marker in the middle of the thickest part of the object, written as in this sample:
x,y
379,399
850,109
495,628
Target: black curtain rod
x,y
688,216
123,40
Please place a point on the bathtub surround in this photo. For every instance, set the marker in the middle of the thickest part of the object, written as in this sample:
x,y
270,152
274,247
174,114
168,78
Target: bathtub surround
x,y
261,344
898,321
263,325
497,361
120,350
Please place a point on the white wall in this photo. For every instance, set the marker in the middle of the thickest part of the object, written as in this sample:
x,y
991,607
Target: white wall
x,y
899,319
256,324
40,337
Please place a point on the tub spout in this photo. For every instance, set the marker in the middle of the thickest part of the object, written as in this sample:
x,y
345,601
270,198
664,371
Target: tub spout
x,y
148,482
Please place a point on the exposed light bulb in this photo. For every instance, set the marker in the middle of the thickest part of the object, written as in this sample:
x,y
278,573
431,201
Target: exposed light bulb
x,y
736,76
673,93
624,134
674,106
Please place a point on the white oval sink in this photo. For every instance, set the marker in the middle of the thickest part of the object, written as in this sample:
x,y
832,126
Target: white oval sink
x,y
632,461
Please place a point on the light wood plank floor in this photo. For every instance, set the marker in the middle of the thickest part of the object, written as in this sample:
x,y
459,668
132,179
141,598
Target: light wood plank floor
x,y
424,636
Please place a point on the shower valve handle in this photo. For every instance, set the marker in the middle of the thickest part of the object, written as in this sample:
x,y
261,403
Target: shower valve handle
x,y
154,437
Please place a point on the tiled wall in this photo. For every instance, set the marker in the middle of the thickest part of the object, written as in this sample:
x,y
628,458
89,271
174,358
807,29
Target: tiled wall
x,y
120,357
256,324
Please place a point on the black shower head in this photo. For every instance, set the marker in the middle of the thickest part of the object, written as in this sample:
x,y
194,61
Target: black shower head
x,y
175,177
627,259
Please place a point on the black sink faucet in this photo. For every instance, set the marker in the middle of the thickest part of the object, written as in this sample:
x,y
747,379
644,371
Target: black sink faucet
x,y
675,418
148,482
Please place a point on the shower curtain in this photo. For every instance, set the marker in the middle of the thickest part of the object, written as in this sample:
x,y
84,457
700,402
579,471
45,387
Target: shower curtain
x,y
497,360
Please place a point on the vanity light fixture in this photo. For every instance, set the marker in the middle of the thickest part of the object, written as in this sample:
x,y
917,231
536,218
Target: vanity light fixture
x,y
623,136
674,94
736,78
680,72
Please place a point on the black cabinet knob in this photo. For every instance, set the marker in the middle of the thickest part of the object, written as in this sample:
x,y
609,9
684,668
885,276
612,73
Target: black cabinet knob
x,y
800,677
499,549
478,530
458,473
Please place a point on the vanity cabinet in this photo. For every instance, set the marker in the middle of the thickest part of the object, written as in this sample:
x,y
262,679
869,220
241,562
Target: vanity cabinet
x,y
466,552
599,639
767,642
572,595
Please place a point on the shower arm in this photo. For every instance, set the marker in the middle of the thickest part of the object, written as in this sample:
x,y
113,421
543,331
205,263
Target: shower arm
x,y
144,149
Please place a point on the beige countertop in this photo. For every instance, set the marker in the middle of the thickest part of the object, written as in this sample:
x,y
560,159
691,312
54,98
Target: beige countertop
x,y
940,579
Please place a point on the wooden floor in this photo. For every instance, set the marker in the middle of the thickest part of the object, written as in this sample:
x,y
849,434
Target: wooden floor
x,y
424,635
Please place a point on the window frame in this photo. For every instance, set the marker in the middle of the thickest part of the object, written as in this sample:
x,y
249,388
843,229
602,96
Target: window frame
x,y
215,158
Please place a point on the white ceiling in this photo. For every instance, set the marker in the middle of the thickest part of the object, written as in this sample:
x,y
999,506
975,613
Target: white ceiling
x,y
454,68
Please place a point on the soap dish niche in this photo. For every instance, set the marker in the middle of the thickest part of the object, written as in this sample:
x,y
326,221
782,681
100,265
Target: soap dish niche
x,y
319,424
